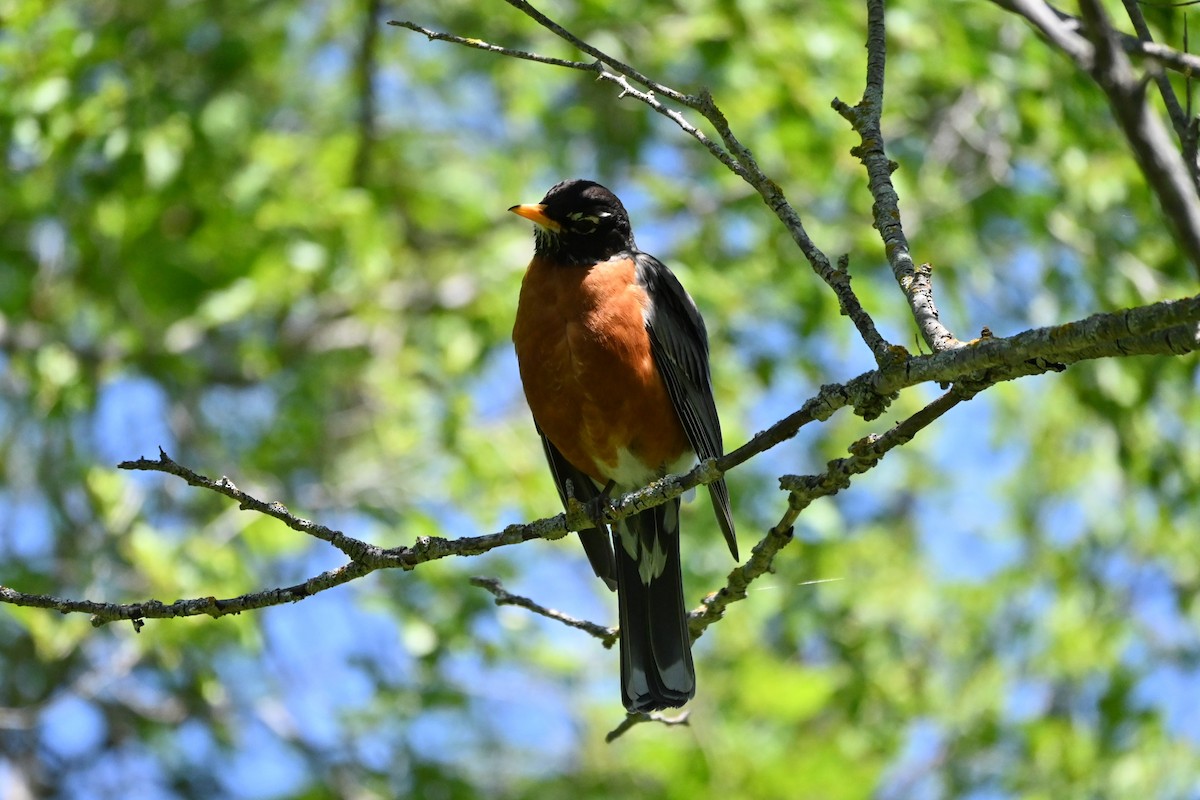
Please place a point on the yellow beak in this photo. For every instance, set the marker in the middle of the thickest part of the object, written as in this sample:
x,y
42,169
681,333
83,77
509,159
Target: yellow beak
x,y
536,213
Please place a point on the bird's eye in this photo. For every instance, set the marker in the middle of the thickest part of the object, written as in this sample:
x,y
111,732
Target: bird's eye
x,y
585,223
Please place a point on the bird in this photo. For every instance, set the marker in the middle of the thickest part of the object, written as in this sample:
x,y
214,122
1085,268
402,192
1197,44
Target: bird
x,y
613,359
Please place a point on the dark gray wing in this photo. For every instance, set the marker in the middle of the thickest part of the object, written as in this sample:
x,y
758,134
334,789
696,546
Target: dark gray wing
x,y
679,344
595,541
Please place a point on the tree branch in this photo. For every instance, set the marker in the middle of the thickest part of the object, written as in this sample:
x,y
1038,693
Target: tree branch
x,y
1063,30
364,69
103,613
865,118
479,44
1170,327
1179,119
865,454
1102,55
1163,166
355,549
883,350
607,636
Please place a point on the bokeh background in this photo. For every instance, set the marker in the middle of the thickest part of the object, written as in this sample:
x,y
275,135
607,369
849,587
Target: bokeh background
x,y
271,238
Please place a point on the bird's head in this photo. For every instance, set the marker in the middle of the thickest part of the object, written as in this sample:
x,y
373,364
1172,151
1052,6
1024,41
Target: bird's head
x,y
578,222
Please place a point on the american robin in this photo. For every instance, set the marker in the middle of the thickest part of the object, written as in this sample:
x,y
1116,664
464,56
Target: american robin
x,y
613,357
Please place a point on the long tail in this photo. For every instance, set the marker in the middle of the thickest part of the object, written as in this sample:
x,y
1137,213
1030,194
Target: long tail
x,y
656,651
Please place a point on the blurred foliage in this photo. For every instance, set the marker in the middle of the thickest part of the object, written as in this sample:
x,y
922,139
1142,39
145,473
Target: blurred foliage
x,y
190,258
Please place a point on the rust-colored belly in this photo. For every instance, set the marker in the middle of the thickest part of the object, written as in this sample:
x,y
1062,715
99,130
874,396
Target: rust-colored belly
x,y
588,372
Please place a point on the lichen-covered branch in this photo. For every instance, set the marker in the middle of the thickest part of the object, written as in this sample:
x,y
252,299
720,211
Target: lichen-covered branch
x,y
1170,327
865,454
103,613
865,118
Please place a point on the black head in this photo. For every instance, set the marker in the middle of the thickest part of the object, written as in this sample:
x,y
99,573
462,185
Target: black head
x,y
578,222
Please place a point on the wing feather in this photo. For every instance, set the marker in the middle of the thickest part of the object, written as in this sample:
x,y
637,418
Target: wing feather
x,y
679,344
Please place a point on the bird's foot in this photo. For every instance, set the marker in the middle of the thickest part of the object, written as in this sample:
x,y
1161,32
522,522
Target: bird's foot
x,y
594,510
598,507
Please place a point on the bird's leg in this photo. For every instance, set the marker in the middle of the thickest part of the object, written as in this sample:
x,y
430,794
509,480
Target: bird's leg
x,y
601,503
593,509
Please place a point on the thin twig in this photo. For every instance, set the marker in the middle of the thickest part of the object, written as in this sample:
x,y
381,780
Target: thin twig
x,y
595,52
618,78
607,636
639,717
881,348
772,194
479,44
1174,109
1061,30
355,549
649,99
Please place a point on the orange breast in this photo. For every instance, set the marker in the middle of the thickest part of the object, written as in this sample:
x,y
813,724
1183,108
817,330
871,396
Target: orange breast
x,y
588,372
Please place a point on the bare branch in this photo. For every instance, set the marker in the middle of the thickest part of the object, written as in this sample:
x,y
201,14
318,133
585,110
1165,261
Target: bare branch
x,y
772,194
479,44
1164,168
881,348
649,99
1169,327
1102,54
1179,119
620,78
607,636
595,52
1064,31
103,613
1169,57
865,118
865,454
356,549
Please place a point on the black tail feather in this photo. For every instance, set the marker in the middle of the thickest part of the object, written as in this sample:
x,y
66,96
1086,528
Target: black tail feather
x,y
656,651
